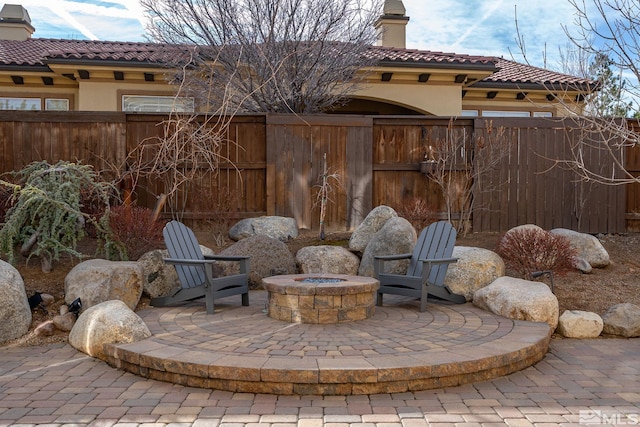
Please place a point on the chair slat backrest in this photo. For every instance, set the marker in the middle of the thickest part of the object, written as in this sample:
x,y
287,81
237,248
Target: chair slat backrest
x,y
435,242
182,244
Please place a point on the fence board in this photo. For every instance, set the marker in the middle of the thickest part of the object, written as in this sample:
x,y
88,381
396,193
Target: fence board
x,y
279,161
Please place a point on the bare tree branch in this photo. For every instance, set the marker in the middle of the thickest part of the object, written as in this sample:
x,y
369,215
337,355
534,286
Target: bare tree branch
x,y
272,56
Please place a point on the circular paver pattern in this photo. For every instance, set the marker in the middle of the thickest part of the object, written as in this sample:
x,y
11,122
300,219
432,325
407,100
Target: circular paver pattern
x,y
398,349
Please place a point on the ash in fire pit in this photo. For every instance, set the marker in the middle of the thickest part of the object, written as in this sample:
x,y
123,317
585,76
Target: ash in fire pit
x,y
320,280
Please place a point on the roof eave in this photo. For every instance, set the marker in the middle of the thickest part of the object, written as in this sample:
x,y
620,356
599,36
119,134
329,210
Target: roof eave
x,y
438,65
579,87
25,67
106,62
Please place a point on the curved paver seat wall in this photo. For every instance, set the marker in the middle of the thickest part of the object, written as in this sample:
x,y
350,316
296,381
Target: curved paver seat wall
x,y
241,349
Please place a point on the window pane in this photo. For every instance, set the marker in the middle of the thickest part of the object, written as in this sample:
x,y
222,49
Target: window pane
x,y
488,113
24,104
54,104
469,113
157,104
542,114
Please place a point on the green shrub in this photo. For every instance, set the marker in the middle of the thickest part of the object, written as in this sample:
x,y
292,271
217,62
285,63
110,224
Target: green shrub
x,y
46,216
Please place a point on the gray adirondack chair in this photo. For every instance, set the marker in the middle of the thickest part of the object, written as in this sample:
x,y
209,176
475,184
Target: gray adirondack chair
x,y
195,271
428,266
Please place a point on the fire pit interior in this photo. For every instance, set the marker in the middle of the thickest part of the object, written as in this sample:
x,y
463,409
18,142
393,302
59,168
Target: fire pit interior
x,y
321,298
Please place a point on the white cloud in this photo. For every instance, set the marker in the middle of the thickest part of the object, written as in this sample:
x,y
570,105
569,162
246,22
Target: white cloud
x,y
475,27
488,27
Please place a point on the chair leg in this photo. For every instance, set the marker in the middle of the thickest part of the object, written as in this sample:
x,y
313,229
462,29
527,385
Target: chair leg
x,y
423,301
209,300
245,299
379,299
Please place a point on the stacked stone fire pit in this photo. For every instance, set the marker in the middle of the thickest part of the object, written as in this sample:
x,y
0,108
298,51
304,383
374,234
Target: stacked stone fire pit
x,y
320,298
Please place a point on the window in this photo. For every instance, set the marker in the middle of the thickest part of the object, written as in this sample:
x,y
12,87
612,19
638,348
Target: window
x,y
490,113
56,104
469,113
157,104
22,104
34,104
542,114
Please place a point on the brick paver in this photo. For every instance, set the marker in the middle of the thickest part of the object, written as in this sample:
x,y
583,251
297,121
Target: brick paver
x,y
57,386
398,348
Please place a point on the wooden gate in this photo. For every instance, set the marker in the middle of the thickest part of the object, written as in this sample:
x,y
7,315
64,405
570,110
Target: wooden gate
x,y
296,146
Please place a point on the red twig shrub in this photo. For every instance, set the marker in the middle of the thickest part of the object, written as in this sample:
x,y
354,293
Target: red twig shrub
x,y
135,228
417,212
526,250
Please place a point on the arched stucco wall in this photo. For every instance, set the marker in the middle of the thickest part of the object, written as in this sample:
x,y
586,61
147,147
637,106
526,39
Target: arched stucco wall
x,y
432,100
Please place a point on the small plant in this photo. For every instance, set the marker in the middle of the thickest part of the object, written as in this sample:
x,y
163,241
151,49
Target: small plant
x,y
325,189
135,228
46,216
526,250
417,212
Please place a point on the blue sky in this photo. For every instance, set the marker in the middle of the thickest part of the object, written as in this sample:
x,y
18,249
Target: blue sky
x,y
477,27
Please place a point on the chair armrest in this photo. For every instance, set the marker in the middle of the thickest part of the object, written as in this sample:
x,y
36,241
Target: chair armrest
x,y
225,257
439,260
378,261
241,259
182,261
392,257
211,260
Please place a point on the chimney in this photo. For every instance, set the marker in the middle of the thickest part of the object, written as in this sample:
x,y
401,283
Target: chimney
x,y
15,23
392,25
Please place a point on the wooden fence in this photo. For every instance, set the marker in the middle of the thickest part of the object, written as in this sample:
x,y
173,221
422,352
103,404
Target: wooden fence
x,y
274,164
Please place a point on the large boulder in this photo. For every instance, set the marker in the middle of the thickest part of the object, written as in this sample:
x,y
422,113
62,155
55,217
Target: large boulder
x,y
15,313
519,299
372,223
397,236
475,269
99,280
588,247
110,322
161,277
269,257
277,227
622,320
579,324
327,259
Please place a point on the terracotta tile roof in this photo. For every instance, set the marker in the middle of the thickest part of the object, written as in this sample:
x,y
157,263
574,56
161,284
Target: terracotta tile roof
x,y
35,52
423,57
39,52
515,73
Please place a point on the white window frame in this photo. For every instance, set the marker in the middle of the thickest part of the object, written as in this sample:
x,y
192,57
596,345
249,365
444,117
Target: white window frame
x,y
56,104
157,104
499,113
542,114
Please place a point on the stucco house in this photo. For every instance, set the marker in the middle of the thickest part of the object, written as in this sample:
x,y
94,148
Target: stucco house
x,y
83,75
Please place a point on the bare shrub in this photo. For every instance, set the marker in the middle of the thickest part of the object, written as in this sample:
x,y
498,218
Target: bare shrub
x,y
527,250
135,228
417,211
223,214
